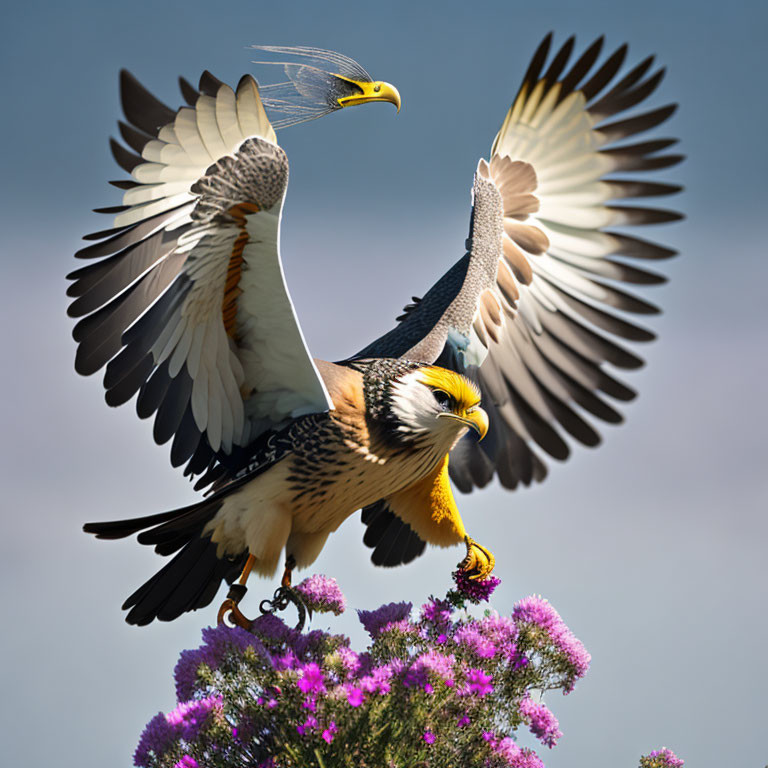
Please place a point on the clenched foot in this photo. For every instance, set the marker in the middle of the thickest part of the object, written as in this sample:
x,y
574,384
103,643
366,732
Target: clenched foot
x,y
479,561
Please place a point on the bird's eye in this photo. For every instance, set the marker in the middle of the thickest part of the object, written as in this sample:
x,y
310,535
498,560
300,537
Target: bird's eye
x,y
443,398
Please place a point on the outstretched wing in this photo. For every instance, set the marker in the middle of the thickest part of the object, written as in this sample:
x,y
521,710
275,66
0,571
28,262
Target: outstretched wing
x,y
187,304
530,309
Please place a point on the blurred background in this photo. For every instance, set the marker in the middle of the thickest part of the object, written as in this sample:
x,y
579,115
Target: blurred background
x,y
652,547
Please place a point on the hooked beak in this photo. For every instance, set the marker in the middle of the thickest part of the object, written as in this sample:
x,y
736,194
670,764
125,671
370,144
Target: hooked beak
x,y
476,419
376,91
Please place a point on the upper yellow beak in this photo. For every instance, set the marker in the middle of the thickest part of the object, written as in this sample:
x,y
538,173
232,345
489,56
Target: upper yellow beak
x,y
476,419
376,91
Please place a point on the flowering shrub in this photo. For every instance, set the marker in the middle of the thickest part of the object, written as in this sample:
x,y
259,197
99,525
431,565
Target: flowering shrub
x,y
661,758
435,689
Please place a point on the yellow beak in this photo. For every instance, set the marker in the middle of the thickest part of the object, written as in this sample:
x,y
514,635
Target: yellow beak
x,y
476,419
376,91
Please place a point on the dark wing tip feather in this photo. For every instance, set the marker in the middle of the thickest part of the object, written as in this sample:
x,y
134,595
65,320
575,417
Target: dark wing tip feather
x,y
141,108
153,391
119,529
605,73
124,183
133,137
559,61
125,159
112,209
186,439
633,215
537,62
581,67
188,91
101,235
123,390
171,410
209,84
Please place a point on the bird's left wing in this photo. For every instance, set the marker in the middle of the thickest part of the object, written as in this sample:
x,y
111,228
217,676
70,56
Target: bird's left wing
x,y
529,311
186,303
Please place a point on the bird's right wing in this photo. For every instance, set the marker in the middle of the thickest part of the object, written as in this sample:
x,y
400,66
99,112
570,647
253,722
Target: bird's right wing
x,y
186,304
531,309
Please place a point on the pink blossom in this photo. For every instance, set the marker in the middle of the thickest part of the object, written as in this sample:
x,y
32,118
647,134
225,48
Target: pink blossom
x,y
537,612
186,762
378,680
469,635
479,682
515,756
322,594
311,679
190,717
309,724
542,722
349,659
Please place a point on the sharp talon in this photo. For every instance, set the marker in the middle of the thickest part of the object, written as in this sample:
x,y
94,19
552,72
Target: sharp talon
x,y
225,608
479,561
229,609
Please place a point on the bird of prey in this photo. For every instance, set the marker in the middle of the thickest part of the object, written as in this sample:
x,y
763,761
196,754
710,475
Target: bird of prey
x,y
185,304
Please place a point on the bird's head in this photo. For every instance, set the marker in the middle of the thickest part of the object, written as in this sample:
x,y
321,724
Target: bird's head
x,y
418,402
318,82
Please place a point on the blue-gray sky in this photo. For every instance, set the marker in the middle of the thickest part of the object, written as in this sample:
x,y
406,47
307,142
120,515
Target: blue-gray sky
x,y
653,547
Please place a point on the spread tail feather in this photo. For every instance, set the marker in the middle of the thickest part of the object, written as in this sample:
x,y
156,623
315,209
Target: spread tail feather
x,y
190,581
192,578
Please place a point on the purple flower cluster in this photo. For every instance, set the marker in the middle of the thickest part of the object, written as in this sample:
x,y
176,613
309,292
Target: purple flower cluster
x,y
220,643
440,665
543,723
437,612
185,722
474,590
546,628
513,756
440,689
189,717
661,758
376,622
322,594
157,737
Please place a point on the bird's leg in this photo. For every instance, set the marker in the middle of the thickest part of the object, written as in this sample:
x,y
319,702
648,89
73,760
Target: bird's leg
x,y
290,564
236,593
479,561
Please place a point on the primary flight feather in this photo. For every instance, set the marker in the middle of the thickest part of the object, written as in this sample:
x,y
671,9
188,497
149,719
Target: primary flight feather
x,y
187,306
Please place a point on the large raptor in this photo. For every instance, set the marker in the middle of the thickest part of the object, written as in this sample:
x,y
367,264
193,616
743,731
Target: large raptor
x,y
187,307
